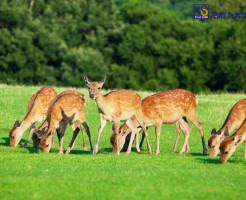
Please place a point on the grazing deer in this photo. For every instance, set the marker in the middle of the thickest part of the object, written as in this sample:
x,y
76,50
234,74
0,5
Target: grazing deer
x,y
170,107
37,111
233,121
116,106
66,108
229,144
124,129
125,132
41,130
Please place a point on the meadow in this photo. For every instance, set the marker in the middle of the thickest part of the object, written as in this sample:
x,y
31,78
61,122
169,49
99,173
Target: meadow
x,y
26,173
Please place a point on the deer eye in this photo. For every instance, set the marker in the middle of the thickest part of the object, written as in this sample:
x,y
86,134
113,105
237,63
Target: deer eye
x,y
226,152
47,145
99,88
213,146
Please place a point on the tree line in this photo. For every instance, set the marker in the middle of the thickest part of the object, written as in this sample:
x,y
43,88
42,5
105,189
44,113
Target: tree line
x,y
140,44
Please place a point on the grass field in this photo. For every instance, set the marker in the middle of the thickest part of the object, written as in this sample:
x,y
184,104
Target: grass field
x,y
29,174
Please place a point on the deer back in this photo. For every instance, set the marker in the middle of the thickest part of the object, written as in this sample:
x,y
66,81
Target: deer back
x,y
168,106
120,103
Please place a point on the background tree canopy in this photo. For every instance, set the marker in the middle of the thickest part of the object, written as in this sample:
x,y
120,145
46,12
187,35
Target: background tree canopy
x,y
140,44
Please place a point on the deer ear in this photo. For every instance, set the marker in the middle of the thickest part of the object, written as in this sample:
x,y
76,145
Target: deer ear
x,y
226,133
103,80
213,131
17,124
113,127
87,81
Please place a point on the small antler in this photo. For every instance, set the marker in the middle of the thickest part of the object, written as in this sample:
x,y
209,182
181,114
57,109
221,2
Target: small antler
x,y
87,81
103,80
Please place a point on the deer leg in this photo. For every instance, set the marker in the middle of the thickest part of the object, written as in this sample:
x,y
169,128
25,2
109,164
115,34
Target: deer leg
x,y
147,140
29,136
87,129
192,117
142,140
177,136
83,137
157,134
137,144
102,125
138,117
75,133
134,131
186,129
63,126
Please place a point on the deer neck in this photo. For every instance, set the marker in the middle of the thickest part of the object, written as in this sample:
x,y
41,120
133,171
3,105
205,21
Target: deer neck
x,y
101,102
24,125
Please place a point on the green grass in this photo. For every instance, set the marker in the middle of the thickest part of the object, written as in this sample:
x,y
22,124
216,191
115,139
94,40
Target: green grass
x,y
29,174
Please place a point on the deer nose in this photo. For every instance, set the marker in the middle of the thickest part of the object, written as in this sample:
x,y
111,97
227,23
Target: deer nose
x,y
92,96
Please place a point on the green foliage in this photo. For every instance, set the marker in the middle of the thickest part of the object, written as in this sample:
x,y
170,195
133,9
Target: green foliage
x,y
138,44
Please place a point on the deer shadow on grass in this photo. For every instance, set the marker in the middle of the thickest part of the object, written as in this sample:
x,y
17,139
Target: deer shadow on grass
x,y
208,160
6,142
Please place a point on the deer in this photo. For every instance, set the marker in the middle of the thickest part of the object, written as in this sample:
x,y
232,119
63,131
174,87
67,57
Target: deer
x,y
233,121
169,107
65,108
38,132
116,106
37,112
126,132
229,144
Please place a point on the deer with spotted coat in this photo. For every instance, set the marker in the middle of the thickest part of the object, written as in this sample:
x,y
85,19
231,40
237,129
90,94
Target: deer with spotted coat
x,y
41,130
168,107
229,144
66,108
37,112
116,106
233,121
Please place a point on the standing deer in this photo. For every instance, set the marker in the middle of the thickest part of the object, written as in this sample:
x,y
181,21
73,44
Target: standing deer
x,y
41,130
169,107
229,144
37,111
66,108
116,106
233,121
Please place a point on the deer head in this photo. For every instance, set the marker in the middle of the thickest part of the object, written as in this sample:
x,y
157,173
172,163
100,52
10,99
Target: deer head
x,y
94,87
215,141
228,146
46,141
13,134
